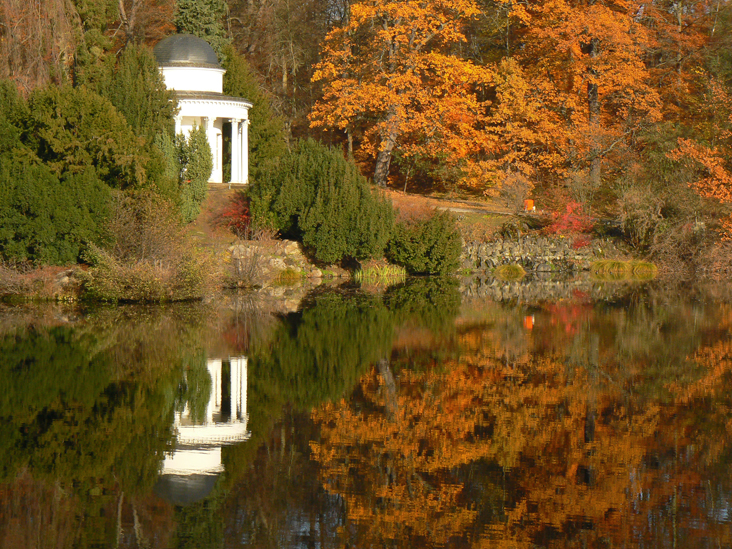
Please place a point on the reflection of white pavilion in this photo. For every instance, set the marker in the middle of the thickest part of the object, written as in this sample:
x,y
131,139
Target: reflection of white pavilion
x,y
190,472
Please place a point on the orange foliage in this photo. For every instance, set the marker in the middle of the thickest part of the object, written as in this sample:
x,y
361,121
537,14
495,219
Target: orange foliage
x,y
711,159
394,468
592,55
391,72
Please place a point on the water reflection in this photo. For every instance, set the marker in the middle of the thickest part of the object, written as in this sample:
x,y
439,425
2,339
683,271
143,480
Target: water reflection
x,y
213,415
401,419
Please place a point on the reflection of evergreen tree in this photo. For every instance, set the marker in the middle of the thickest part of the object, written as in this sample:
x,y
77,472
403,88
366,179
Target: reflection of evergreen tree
x,y
430,302
90,408
201,525
72,411
46,378
321,352
195,390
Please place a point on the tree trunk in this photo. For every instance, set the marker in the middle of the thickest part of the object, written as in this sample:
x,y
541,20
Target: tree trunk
x,y
383,159
392,399
593,105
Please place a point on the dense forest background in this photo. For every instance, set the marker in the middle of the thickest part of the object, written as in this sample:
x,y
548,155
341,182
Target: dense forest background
x,y
619,107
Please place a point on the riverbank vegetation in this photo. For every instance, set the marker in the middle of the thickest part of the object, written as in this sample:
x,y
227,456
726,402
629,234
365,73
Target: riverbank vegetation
x,y
620,111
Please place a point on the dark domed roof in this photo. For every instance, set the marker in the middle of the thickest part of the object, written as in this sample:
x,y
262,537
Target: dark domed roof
x,y
185,50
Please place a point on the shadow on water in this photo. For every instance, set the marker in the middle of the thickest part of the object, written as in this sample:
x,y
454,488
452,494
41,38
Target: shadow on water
x,y
414,417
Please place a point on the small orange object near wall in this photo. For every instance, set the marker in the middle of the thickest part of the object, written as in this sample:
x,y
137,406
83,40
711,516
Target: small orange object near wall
x,y
529,206
529,322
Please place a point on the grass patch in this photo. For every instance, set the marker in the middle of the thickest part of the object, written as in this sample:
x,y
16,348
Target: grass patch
x,y
380,274
288,277
512,271
642,270
612,269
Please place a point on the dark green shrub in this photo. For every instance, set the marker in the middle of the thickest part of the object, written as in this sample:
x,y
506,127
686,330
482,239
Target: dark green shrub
x,y
137,89
72,129
317,196
187,165
47,219
13,113
197,163
431,246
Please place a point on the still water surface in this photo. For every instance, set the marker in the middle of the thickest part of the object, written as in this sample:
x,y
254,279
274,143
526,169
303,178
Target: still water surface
x,y
411,417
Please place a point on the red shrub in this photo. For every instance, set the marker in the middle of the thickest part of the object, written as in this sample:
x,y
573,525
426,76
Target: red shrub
x,y
236,215
572,222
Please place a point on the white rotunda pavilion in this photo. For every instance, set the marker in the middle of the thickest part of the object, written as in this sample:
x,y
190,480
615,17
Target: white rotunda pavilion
x,y
190,67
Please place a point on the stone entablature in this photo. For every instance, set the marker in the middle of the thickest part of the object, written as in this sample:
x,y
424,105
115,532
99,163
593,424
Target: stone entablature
x,y
197,79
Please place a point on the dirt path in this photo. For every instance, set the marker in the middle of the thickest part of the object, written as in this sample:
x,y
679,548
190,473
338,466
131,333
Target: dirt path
x,y
414,204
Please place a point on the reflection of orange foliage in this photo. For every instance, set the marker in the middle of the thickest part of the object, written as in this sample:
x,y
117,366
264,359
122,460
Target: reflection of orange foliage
x,y
716,364
576,449
392,462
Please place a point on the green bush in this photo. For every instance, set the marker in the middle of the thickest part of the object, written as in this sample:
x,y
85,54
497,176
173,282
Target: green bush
x,y
73,129
46,219
318,197
431,246
508,272
135,86
197,163
187,165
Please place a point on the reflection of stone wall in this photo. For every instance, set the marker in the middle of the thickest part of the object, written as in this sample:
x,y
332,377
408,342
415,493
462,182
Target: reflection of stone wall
x,y
540,287
535,254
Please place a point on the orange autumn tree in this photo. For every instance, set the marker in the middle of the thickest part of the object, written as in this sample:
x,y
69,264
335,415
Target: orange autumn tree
x,y
592,53
708,154
392,71
528,136
680,36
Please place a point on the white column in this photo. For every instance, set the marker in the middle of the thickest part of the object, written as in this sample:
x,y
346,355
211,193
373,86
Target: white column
x,y
178,125
219,158
245,151
214,401
238,388
235,151
243,391
208,123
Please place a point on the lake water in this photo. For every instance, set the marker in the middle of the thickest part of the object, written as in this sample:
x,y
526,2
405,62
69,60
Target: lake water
x,y
423,415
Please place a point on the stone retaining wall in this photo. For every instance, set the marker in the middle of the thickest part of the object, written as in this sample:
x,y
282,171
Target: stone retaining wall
x,y
535,254
257,263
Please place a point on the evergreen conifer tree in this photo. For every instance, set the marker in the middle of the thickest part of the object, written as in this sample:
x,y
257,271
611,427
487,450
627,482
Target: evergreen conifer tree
x,y
267,137
203,18
317,196
197,163
136,87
